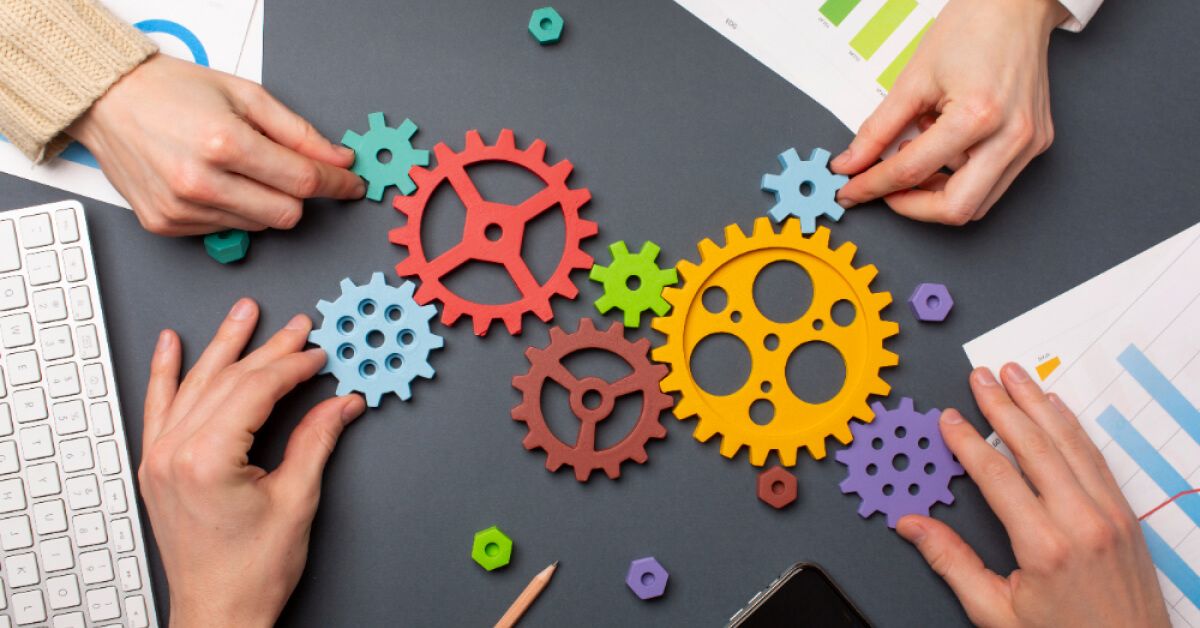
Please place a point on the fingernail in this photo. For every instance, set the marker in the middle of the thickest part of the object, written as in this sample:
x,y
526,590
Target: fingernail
x,y
348,153
361,188
912,530
242,310
353,408
841,159
846,203
298,321
1016,373
951,418
983,377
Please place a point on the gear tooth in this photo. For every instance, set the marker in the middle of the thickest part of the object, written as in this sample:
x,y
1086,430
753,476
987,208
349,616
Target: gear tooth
x,y
789,159
561,171
685,269
946,497
420,176
450,313
729,446
613,470
779,212
407,289
399,236
418,158
843,435
403,390
771,183
708,248
787,456
820,237
668,277
642,345
582,473
407,129
887,358
880,387
816,448
536,150
530,441
734,235
649,251
880,300
866,510
474,141
324,307
343,388
481,323
660,307
819,156
618,250
586,324
758,454
376,121
632,318
580,259
686,407
436,342
791,230
846,253
512,323
603,304
703,431
579,198
808,224
346,285
598,273
377,280
425,292
866,274
443,153
906,404
425,370
375,190
557,334
542,310
568,290
762,228
351,140
506,140
864,413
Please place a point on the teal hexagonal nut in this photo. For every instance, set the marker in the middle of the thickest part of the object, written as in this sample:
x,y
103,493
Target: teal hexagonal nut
x,y
227,246
492,548
546,25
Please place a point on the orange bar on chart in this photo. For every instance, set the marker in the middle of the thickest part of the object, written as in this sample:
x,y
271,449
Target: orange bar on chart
x,y
1046,368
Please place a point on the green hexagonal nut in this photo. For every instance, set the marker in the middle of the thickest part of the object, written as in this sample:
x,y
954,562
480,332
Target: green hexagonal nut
x,y
492,548
546,25
227,246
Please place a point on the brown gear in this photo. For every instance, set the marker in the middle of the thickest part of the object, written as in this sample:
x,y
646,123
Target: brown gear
x,y
546,364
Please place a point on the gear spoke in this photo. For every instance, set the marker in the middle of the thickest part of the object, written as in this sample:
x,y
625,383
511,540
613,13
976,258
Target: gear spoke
x,y
448,261
536,205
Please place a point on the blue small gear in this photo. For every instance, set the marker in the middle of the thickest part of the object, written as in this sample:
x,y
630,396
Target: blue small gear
x,y
376,338
398,143
805,189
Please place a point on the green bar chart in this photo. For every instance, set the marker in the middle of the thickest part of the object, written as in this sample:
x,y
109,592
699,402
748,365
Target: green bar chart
x,y
836,10
888,77
881,26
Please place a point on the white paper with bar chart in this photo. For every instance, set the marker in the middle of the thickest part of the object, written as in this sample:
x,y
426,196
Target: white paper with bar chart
x,y
1123,351
845,54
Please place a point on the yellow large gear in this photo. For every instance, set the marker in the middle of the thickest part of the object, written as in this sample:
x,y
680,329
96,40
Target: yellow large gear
x,y
796,423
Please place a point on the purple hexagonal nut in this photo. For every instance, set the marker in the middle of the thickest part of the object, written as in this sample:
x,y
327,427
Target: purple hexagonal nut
x,y
647,578
931,302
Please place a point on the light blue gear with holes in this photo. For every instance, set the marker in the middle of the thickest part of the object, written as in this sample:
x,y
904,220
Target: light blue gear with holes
x,y
799,176
376,339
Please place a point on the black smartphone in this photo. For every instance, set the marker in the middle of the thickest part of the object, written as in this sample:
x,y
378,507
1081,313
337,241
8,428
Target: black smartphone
x,y
804,595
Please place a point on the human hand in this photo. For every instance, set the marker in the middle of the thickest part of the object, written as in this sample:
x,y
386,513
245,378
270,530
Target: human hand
x,y
1081,557
978,89
194,151
233,537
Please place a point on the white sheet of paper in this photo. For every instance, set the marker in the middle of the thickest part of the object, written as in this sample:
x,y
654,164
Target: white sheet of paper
x,y
226,34
1148,306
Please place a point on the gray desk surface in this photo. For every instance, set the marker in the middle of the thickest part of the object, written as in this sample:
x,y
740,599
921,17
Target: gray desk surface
x,y
671,127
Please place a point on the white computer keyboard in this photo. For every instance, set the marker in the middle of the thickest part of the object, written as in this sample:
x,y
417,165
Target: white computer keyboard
x,y
72,544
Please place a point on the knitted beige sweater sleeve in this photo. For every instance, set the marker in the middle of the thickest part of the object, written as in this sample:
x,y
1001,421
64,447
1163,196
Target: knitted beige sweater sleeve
x,y
56,58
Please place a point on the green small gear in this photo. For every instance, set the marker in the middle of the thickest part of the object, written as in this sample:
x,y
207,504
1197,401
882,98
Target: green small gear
x,y
646,295
397,142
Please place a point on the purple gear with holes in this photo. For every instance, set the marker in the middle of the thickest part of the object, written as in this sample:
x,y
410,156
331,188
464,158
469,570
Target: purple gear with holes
x,y
932,486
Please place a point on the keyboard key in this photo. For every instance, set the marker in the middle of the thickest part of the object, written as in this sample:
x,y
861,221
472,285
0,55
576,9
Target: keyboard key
x,y
89,343
69,417
9,462
16,331
62,380
12,293
49,305
82,491
89,529
50,517
110,458
36,442
30,404
114,497
96,566
22,571
43,480
63,591
6,420
28,607
36,231
102,423
3,600
10,256
81,303
67,225
74,268
56,343
103,604
135,610
70,620
57,554
93,380
23,368
42,268
15,533
12,496
130,573
122,532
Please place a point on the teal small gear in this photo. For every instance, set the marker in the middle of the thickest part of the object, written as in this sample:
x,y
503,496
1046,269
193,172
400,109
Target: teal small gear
x,y
398,143
805,189
376,338
646,294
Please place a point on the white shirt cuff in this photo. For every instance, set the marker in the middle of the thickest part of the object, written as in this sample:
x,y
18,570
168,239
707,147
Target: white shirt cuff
x,y
1081,13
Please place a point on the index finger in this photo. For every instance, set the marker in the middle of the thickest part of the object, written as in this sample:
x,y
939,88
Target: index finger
x,y
251,401
289,129
292,173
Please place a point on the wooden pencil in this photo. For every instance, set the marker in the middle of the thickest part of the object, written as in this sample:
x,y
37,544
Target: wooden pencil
x,y
525,600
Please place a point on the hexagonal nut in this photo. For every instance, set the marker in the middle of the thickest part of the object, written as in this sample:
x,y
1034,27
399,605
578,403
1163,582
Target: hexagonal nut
x,y
647,578
546,25
492,548
777,487
227,246
931,302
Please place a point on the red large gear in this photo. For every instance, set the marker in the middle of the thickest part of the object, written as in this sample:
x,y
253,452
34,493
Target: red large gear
x,y
483,215
546,364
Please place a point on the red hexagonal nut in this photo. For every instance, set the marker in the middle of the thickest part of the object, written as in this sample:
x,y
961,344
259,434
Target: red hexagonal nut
x,y
777,487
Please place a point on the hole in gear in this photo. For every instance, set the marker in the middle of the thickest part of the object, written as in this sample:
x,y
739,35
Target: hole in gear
x,y
872,469
720,364
384,156
888,489
592,399
367,369
346,352
493,232
714,300
765,387
394,313
877,443
762,412
491,549
933,301
394,362
345,325
778,487
771,342
632,283
900,462
375,339
406,337
647,578
930,468
818,324
783,291
366,307
843,313
815,372
913,489
482,282
900,431
923,443
736,316
606,365
806,188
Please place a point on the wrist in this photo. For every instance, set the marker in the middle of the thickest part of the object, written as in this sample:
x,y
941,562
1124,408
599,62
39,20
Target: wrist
x,y
202,613
1048,13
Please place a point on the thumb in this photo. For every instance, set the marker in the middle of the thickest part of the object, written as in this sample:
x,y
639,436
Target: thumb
x,y
983,594
311,444
902,106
